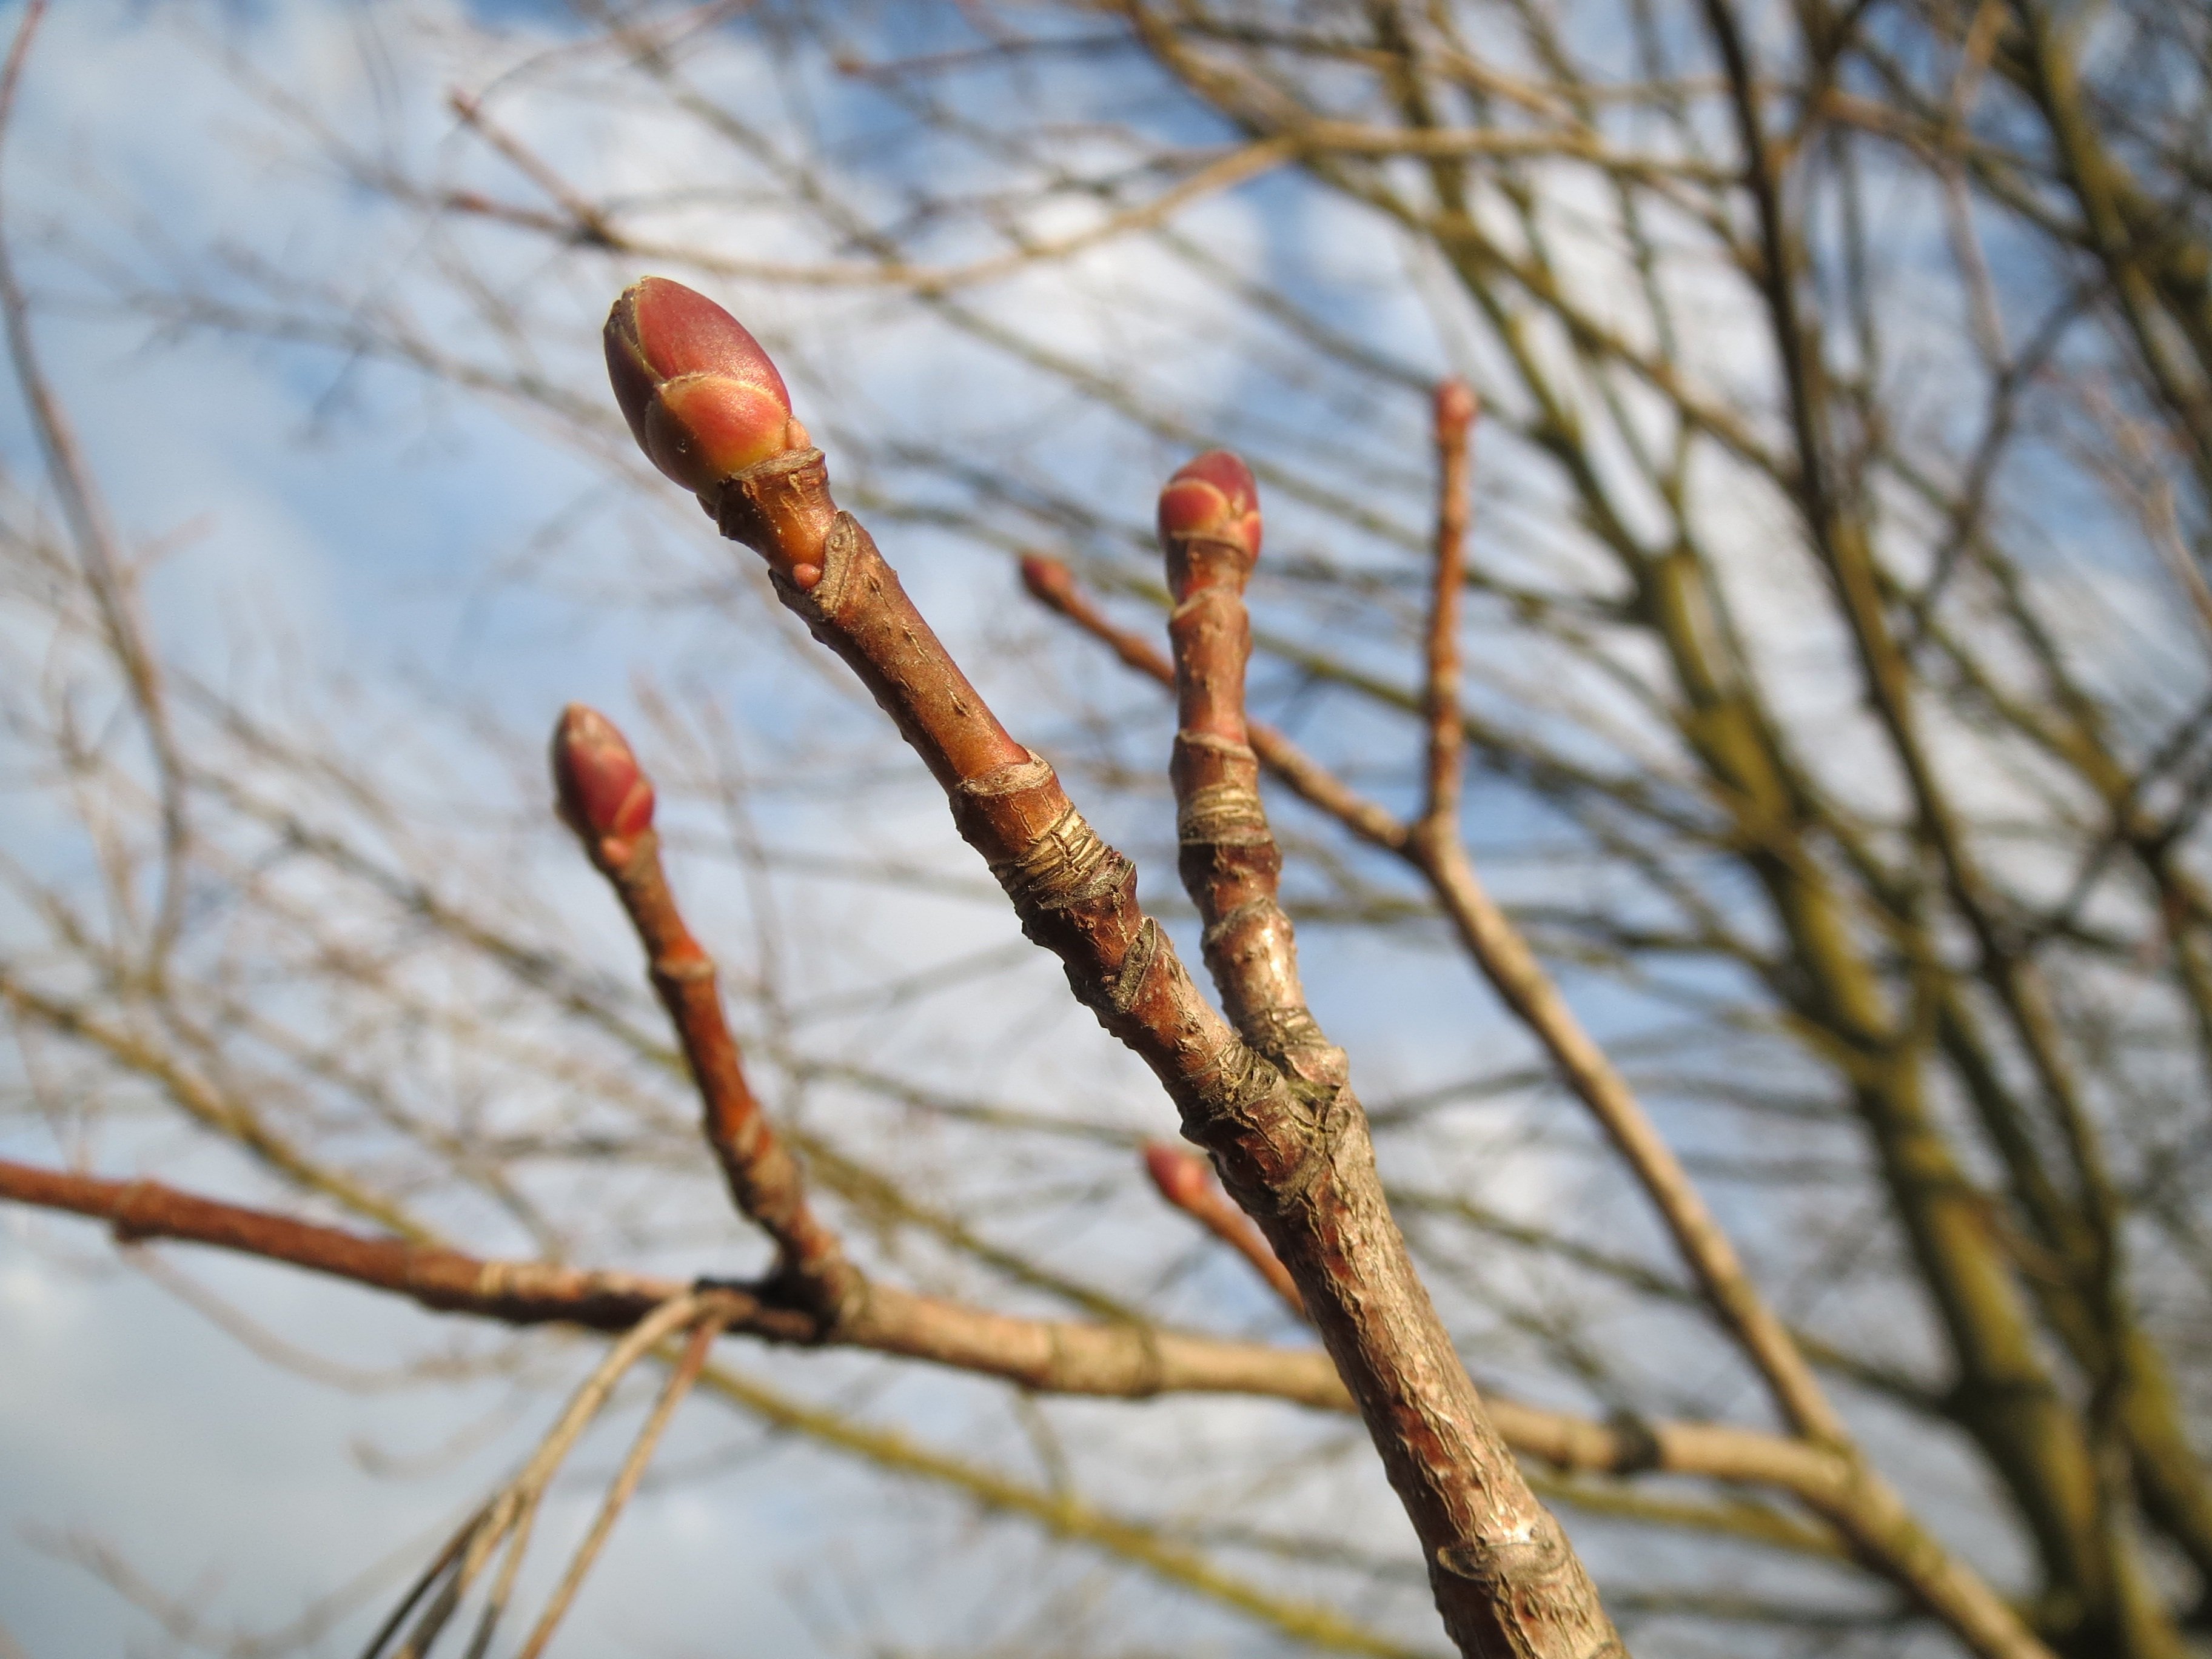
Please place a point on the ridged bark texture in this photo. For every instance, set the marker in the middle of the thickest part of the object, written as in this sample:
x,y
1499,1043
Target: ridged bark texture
x,y
1294,1150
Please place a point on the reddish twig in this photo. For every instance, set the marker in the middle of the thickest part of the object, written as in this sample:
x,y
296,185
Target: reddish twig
x,y
1209,526
608,801
518,1292
1113,1359
1454,415
1867,1509
1294,1150
1186,1182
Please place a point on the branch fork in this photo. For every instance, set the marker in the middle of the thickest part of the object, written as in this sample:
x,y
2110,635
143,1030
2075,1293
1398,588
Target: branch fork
x,y
1851,1495
603,794
1290,1139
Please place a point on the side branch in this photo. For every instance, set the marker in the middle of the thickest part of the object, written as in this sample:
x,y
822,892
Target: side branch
x,y
1298,1158
606,799
446,1281
1454,416
1846,1492
1210,530
1520,979
1185,1181
1113,1360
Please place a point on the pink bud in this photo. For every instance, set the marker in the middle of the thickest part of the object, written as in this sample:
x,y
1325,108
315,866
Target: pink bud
x,y
601,793
701,397
1213,496
1456,407
1048,580
1181,1176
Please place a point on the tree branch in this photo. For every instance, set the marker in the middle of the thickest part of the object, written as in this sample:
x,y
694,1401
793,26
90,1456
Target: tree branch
x,y
1294,1150
608,801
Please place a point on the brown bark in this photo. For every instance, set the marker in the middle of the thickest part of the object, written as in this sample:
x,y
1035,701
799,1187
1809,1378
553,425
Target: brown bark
x,y
1844,1491
608,800
1453,420
1113,1360
1292,1149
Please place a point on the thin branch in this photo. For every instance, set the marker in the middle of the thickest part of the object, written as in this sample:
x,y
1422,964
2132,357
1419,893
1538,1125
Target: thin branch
x,y
1455,416
1870,1512
608,801
106,571
679,1383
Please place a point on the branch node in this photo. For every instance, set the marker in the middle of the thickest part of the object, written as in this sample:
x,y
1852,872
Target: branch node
x,y
781,508
1067,865
1129,982
682,970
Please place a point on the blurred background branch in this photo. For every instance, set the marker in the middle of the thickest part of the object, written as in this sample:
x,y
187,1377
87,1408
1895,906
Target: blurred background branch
x,y
1832,666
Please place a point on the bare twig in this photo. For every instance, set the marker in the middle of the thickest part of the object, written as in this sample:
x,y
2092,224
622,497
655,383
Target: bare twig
x,y
106,571
1112,1360
1865,1509
1454,416
679,1383
1293,1149
510,1513
608,801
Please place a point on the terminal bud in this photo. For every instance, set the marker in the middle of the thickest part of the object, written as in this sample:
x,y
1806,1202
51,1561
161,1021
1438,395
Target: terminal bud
x,y
600,790
701,396
1210,503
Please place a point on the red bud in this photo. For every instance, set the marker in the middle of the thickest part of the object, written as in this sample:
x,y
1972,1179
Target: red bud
x,y
601,793
1181,1176
701,397
1213,496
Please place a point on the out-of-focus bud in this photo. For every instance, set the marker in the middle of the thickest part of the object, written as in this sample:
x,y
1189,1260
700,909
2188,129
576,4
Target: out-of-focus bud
x,y
701,397
1456,407
1210,524
1048,580
1182,1176
601,793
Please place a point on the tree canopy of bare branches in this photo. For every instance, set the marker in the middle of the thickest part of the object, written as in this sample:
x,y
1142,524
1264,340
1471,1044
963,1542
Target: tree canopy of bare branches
x,y
1721,698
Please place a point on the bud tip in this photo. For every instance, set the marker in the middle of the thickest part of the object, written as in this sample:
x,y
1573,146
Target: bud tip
x,y
703,399
1455,407
600,790
1212,496
1047,579
1181,1175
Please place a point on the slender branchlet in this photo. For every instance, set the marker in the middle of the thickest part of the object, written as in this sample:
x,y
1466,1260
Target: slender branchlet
x,y
1053,585
1292,1149
1498,947
1863,1507
1186,1181
1209,528
1455,416
603,794
1111,1359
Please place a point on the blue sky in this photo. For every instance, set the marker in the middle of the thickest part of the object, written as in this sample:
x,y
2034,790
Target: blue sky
x,y
341,539
431,573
